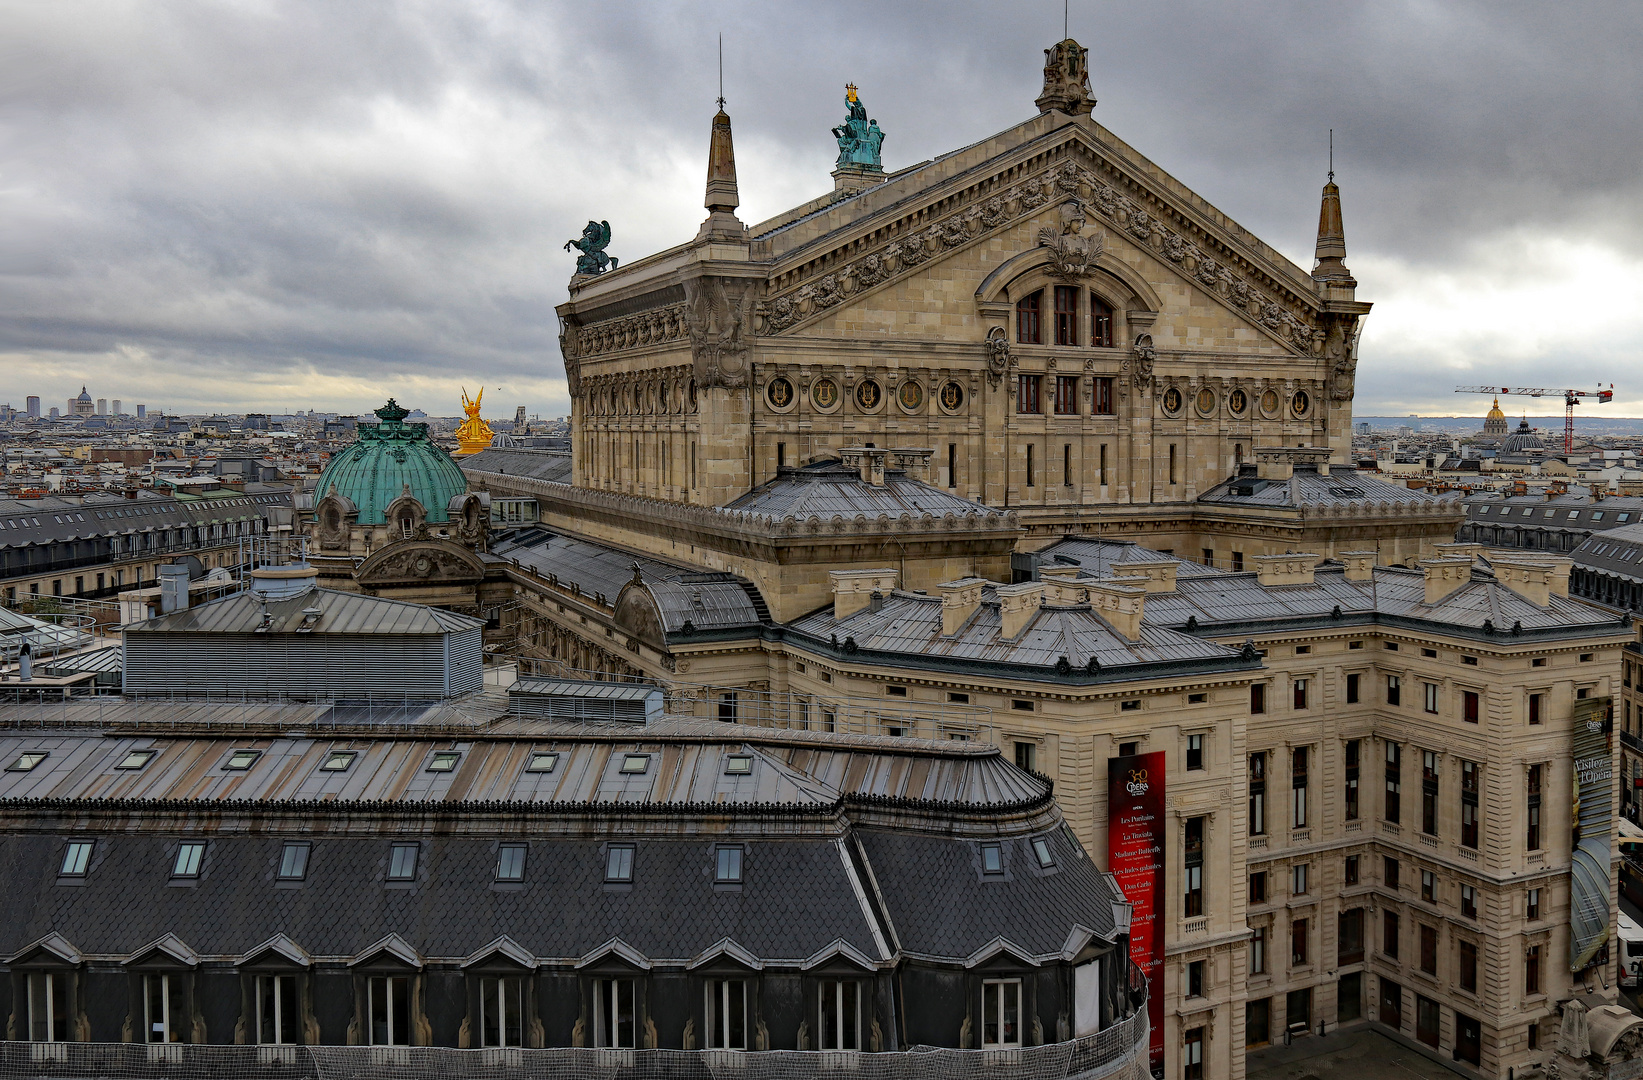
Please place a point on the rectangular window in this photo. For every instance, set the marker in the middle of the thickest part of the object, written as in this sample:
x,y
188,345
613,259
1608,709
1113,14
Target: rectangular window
x,y
1429,793
952,465
1000,1014
1469,706
1258,1022
1349,870
1468,901
1297,943
294,861
542,761
1100,323
510,863
1469,967
49,1010
1257,951
1431,703
1470,781
1394,690
1297,787
388,1005
1067,465
1032,466
1026,394
1027,328
136,759
1066,395
619,863
1026,756
76,858
1389,933
1534,708
1192,1054
402,862
277,1009
165,1008
1532,830
1257,887
1257,794
1531,970
1195,978
1298,884
1066,315
1300,693
1394,782
1426,1020
1429,949
241,760
1429,886
189,855
992,859
727,710
726,1014
613,1014
636,764
443,761
338,761
1101,397
1349,946
1257,698
1172,479
1195,752
1390,872
1532,905
1349,793
839,1024
727,865
1352,689
1193,869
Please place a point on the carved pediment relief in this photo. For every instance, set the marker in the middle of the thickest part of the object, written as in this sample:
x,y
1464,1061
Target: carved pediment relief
x,y
637,613
410,562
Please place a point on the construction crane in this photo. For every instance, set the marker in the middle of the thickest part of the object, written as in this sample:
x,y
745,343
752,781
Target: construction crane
x,y
1571,398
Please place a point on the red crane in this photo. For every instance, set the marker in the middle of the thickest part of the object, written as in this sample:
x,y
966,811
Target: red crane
x,y
1571,398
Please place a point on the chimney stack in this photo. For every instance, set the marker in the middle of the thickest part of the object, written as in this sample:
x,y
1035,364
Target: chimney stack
x,y
1018,605
1122,606
853,589
959,600
1154,575
1291,568
1444,576
1360,565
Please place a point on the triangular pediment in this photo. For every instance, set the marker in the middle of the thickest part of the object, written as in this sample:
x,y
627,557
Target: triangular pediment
x,y
503,953
278,951
167,952
53,950
391,951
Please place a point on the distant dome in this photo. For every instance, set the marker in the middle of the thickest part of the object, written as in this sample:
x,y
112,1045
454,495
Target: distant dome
x,y
1495,423
83,395
504,442
1523,441
388,458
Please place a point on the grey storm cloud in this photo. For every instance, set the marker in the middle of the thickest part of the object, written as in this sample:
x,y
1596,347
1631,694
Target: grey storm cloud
x,y
318,204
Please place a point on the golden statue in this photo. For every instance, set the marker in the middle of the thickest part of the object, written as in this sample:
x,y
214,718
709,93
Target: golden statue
x,y
474,435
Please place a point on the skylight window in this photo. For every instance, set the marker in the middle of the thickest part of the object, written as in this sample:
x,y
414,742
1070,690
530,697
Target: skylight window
x,y
619,863
542,761
739,764
189,855
510,862
242,759
76,858
992,859
402,862
444,760
27,760
729,865
338,760
635,763
136,759
1041,848
294,861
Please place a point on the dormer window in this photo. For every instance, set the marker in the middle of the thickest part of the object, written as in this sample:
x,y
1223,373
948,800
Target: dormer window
x,y
189,855
992,859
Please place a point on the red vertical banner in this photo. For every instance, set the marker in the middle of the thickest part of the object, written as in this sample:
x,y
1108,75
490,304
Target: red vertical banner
x,y
1135,856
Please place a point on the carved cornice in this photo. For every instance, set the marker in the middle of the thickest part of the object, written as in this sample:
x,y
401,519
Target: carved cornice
x,y
647,328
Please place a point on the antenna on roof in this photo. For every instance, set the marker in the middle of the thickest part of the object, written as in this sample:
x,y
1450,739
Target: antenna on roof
x,y
1064,17
1332,153
721,70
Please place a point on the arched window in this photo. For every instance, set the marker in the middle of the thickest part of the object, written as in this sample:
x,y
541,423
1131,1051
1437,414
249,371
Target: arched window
x,y
1100,323
1028,330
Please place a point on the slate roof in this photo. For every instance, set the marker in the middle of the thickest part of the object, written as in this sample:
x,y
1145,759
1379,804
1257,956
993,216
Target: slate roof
x,y
55,519
339,613
1574,513
825,488
1618,551
1099,556
553,466
1307,487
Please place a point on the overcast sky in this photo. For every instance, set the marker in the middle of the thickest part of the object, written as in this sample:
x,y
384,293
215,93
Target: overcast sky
x,y
267,205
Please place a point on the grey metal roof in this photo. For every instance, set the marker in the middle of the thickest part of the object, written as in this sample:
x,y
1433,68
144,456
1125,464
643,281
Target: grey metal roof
x,y
56,519
1343,485
608,691
826,488
551,465
1568,512
338,613
1097,556
1617,551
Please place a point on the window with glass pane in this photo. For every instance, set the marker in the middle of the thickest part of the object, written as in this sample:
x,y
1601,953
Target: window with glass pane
x,y
728,864
242,759
1468,966
1297,942
136,759
613,1015
501,1010
542,761
1041,849
1389,934
1429,793
444,761
1429,950
189,855
49,1010
1532,830
1257,951
619,862
1066,315
1350,794
1257,794
402,862
840,1020
76,858
1394,782
294,862
277,1009
1394,690
165,1011
1026,394
1192,1054
337,761
1101,396
1349,942
27,760
1027,329
510,862
1000,1013
1193,869
1297,785
726,1014
1066,395
992,859
1470,774
389,1006
1100,323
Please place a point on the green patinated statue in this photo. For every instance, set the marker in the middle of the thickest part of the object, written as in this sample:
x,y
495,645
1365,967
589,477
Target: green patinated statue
x,y
593,259
859,138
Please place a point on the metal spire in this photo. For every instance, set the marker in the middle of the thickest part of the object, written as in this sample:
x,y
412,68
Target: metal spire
x,y
1331,152
721,70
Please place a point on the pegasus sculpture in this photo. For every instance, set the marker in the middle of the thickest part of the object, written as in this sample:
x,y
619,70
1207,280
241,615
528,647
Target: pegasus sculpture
x,y
595,238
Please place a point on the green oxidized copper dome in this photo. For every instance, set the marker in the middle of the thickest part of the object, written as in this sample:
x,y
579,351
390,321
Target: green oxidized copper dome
x,y
387,458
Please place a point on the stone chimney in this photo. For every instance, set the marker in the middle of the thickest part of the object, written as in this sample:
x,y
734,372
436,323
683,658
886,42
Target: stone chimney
x,y
1061,585
1360,565
869,461
1444,576
1122,606
959,600
1459,550
912,460
1153,575
1018,605
1291,568
1530,580
1280,462
1560,565
854,589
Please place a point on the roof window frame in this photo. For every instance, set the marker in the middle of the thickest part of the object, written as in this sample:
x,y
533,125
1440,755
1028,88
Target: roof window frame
x,y
396,872
1042,852
634,765
21,764
345,758
443,761
282,872
996,849
617,870
229,765
739,764
130,762
82,867
551,756
188,862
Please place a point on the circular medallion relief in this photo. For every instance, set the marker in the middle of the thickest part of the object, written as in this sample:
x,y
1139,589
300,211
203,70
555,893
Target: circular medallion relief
x,y
1206,401
1172,401
952,397
1237,402
1300,403
1269,402
868,395
824,393
779,392
910,396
